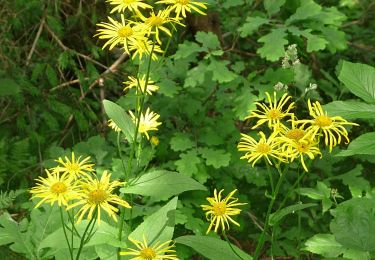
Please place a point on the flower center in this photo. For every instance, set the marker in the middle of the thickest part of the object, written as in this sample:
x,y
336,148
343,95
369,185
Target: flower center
x,y
154,21
295,134
147,253
220,208
273,114
125,31
97,196
303,147
183,2
323,121
58,188
263,148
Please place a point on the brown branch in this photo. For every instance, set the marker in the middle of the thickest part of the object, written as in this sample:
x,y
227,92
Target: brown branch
x,y
40,29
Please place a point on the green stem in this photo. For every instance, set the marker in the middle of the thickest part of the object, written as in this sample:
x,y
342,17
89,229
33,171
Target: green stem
x,y
270,176
83,238
231,247
266,225
291,190
299,217
120,154
66,236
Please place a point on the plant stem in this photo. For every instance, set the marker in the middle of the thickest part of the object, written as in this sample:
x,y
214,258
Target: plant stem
x,y
299,217
120,155
66,236
266,225
230,245
83,240
270,176
291,190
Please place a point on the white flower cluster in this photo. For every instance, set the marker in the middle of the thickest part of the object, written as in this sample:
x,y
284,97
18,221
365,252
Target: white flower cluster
x,y
291,57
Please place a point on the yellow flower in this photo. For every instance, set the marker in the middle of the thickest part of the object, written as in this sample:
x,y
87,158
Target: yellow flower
x,y
55,188
273,113
332,127
131,5
156,22
300,148
294,133
141,81
183,6
264,148
96,195
139,48
74,167
154,141
119,33
147,123
220,210
144,251
113,125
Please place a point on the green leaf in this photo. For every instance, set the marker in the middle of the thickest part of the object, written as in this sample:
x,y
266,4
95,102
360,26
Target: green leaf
x,y
232,3
159,226
195,76
243,103
321,192
359,79
208,40
364,144
212,248
187,49
251,25
325,245
181,142
307,9
273,6
315,42
187,165
216,158
274,43
354,224
337,40
121,119
161,184
51,76
351,109
8,87
277,216
220,71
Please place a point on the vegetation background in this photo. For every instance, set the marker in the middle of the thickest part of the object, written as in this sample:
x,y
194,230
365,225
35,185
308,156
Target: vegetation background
x,y
54,77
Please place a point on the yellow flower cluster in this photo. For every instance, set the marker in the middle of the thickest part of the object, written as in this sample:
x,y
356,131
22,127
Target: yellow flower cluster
x,y
140,26
73,183
291,139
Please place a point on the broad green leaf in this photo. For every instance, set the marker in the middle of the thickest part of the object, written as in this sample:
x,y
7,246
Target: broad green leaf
x,y
208,40
354,224
364,144
8,87
274,43
232,3
351,109
251,25
161,184
121,119
220,71
356,254
277,216
187,49
337,40
195,76
187,165
307,9
325,245
321,192
243,103
273,6
159,226
181,142
315,42
215,158
359,79
212,248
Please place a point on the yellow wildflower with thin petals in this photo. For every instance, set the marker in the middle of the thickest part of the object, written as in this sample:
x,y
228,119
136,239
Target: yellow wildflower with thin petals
x,y
120,33
183,6
294,133
144,47
131,5
221,209
74,167
97,195
113,126
144,251
140,83
264,148
148,122
273,112
57,187
332,128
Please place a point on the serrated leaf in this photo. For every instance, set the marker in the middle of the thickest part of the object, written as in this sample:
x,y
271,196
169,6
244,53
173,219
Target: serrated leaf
x,y
187,49
159,226
315,42
212,248
208,40
251,25
351,109
220,71
187,165
161,184
364,144
307,9
121,119
359,79
273,47
215,158
273,6
277,216
325,245
181,142
337,40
